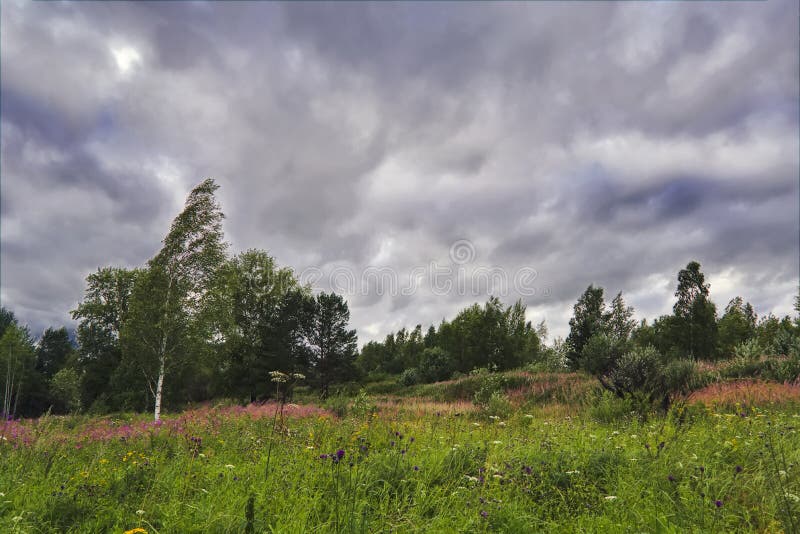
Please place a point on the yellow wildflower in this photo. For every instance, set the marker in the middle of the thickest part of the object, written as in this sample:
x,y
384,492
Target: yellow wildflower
x,y
137,530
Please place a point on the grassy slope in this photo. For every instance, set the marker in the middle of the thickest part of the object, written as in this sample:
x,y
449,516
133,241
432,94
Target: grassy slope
x,y
556,471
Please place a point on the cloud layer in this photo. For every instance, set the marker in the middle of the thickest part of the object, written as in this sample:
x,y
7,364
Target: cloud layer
x,y
590,143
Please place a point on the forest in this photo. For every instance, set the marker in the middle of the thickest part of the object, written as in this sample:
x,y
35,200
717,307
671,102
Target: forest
x,y
196,323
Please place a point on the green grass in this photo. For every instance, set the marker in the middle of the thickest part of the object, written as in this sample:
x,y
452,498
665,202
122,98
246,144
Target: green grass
x,y
412,468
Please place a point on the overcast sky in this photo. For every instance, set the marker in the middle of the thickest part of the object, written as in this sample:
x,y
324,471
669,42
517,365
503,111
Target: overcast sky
x,y
556,144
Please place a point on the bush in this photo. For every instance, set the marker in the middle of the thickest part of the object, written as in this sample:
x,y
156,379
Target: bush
x,y
610,408
498,405
409,377
66,390
785,343
363,405
748,350
639,370
680,376
435,365
601,354
488,383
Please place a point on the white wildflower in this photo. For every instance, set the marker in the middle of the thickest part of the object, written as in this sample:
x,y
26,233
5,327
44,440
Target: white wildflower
x,y
610,497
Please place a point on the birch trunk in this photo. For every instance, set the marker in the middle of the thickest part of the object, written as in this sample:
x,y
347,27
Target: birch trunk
x,y
162,356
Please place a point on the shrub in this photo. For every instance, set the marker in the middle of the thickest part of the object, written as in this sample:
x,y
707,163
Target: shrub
x,y
748,350
66,389
409,377
488,383
435,365
363,405
639,370
498,405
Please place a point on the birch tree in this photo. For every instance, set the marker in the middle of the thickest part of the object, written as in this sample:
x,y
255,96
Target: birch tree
x,y
167,300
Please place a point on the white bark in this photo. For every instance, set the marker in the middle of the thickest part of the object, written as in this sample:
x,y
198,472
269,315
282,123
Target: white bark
x,y
162,355
160,384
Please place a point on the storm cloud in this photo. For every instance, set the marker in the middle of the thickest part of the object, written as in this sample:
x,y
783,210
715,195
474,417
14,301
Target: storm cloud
x,y
606,143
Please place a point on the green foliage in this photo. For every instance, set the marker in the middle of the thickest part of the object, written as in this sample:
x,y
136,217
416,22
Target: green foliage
x,y
332,347
748,350
65,387
498,405
409,377
478,336
435,365
588,319
695,331
736,326
53,351
489,383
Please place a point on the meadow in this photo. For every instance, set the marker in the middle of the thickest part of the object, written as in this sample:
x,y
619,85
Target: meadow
x,y
547,460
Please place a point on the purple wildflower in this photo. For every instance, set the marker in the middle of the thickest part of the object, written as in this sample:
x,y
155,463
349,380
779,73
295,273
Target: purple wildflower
x,y
738,469
340,454
323,456
671,478
484,514
416,468
718,503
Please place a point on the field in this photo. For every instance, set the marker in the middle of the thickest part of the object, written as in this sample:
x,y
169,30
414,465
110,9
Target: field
x,y
727,462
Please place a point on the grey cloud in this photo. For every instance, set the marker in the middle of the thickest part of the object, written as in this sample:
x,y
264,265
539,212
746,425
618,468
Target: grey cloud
x,y
335,129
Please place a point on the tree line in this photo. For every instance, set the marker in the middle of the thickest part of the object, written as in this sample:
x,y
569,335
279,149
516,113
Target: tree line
x,y
195,323
190,325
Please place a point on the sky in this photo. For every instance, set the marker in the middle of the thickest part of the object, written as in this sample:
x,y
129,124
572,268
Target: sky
x,y
415,157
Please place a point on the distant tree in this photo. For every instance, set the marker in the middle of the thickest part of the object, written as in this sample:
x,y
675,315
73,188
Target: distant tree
x,y
435,365
170,294
6,319
332,345
619,322
258,311
737,325
17,368
695,314
588,319
65,389
430,337
101,314
53,351
691,286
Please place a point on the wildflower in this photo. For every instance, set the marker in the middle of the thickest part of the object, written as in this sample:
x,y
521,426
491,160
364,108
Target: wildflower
x,y
528,416
610,497
494,417
323,456
484,514
671,478
416,468
139,512
497,442
340,454
137,530
229,466
278,377
502,423
718,503
738,469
